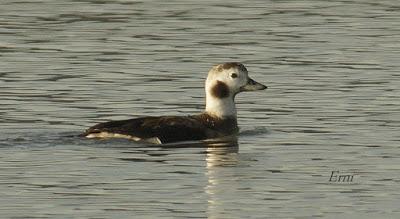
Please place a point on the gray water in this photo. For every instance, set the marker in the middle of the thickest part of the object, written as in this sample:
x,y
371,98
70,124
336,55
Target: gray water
x,y
332,68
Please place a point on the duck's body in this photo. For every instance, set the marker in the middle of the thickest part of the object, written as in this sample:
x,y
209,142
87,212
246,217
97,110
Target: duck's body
x,y
224,81
166,129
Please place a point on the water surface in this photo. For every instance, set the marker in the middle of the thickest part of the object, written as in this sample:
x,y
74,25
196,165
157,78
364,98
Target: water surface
x,y
332,105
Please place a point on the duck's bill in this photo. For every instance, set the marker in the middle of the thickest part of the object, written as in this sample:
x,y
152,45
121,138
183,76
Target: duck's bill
x,y
253,85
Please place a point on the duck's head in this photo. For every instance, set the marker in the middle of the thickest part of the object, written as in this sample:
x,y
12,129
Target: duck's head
x,y
224,81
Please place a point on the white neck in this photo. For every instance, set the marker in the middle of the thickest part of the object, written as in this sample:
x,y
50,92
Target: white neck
x,y
220,107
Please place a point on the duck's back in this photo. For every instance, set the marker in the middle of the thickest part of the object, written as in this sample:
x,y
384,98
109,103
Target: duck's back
x,y
163,129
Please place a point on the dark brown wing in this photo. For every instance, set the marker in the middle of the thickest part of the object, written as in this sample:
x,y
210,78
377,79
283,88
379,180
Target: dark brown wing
x,y
166,128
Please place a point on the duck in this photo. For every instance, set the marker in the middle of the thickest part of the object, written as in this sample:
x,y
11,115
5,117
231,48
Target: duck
x,y
219,119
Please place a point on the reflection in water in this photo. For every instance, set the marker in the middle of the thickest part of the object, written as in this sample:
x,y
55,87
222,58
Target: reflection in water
x,y
222,153
219,154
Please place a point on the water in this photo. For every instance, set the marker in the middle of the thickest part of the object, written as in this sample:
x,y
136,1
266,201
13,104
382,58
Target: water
x,y
332,105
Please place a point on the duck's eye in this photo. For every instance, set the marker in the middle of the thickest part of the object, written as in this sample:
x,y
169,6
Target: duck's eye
x,y
234,75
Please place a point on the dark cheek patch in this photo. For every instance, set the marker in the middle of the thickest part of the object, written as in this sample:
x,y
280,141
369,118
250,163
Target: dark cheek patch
x,y
220,90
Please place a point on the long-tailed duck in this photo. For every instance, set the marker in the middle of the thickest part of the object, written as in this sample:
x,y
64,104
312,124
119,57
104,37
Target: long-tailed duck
x,y
224,81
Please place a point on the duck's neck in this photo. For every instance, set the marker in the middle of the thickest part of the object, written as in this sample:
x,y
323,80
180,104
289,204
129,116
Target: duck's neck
x,y
220,107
